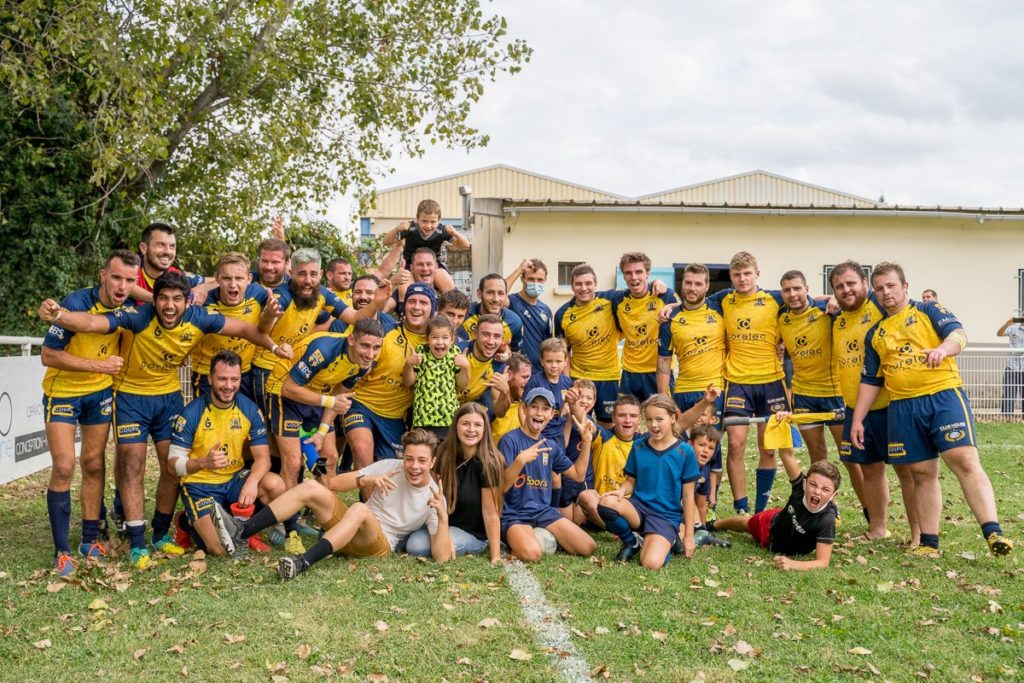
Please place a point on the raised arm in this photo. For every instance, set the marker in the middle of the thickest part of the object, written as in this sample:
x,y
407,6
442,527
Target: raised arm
x,y
77,321
239,328
62,360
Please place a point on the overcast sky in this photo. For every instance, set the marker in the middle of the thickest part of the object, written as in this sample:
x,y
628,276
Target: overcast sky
x,y
920,100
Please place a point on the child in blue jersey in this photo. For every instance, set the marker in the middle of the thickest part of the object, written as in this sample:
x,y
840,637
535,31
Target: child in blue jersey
x,y
657,494
580,399
705,441
553,357
530,462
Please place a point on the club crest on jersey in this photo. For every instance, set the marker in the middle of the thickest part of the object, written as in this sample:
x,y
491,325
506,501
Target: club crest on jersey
x,y
865,319
813,317
652,306
187,337
710,320
179,423
911,319
759,302
598,308
316,358
236,424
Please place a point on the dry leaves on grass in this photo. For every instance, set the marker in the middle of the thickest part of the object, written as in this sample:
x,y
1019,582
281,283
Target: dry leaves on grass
x,y
232,639
489,622
520,655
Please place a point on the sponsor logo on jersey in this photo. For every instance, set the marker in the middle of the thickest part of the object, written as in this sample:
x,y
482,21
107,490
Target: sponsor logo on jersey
x,y
129,430
236,424
897,450
62,410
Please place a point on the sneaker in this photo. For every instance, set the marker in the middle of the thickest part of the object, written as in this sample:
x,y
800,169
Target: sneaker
x,y
999,544
677,546
257,545
628,550
141,559
839,517
64,565
276,535
290,567
305,530
229,531
709,539
182,537
924,551
94,550
166,544
293,544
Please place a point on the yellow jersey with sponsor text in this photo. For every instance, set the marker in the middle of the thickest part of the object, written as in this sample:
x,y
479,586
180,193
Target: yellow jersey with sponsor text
x,y
808,339
609,462
248,310
318,363
294,325
591,332
202,425
381,390
697,338
638,319
849,332
89,345
752,335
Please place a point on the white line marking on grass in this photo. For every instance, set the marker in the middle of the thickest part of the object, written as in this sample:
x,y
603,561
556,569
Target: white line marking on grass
x,y
546,624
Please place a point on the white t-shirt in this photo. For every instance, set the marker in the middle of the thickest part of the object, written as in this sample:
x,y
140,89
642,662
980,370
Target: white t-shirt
x,y
1015,361
404,510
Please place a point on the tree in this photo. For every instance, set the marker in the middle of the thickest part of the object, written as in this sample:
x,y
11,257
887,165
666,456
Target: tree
x,y
214,115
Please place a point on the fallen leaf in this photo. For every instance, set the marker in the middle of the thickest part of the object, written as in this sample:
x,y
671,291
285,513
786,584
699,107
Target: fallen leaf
x,y
42,644
489,622
859,651
198,566
601,630
463,660
884,586
303,651
231,639
738,664
279,668
378,678
659,635
98,604
55,587
711,583
140,653
516,654
994,607
968,555
729,630
176,650
742,647
448,605
836,618
285,615
381,626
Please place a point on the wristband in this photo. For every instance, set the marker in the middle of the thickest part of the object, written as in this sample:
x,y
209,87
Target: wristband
x,y
324,428
274,348
327,402
60,312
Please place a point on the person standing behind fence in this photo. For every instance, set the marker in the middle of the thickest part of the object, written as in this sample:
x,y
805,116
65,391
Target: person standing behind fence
x,y
1013,376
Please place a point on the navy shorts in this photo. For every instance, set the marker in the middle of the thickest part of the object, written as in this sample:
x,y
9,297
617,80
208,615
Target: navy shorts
x,y
607,393
201,385
286,417
571,491
755,400
651,523
921,428
876,439
641,385
819,404
138,417
542,519
199,498
259,387
688,399
387,431
92,409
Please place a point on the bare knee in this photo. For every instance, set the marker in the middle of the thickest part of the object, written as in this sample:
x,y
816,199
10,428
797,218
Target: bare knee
x,y
649,561
529,554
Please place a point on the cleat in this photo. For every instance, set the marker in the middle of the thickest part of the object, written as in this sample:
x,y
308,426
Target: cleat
x,y
710,540
293,544
95,550
925,552
677,545
290,567
628,550
182,537
64,565
141,559
229,531
119,525
307,531
257,545
166,544
275,535
999,545
839,518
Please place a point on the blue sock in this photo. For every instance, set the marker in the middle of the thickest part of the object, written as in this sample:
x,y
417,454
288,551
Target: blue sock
x,y
90,530
291,524
161,523
58,505
989,528
103,510
136,531
741,505
118,508
930,540
765,479
616,523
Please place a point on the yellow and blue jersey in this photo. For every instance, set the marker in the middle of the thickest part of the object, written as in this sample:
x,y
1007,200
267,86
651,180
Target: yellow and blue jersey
x,y
381,390
90,345
894,353
808,339
637,317
751,334
294,325
500,426
144,281
343,328
153,354
512,324
202,425
318,363
609,459
345,295
849,331
697,338
592,334
248,310
480,372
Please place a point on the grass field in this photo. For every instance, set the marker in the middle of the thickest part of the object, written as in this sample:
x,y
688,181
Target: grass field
x,y
726,615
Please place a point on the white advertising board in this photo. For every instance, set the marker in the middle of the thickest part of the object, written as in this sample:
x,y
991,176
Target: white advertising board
x,y
23,446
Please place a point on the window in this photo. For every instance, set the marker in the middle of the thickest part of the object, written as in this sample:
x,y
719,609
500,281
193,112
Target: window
x,y
826,277
565,272
364,226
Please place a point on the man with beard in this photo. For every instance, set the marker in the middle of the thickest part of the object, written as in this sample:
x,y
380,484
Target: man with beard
x,y
375,421
158,247
364,289
488,379
272,262
339,279
77,390
148,394
493,297
421,270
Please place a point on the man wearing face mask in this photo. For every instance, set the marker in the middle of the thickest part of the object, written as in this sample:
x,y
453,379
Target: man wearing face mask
x,y
537,318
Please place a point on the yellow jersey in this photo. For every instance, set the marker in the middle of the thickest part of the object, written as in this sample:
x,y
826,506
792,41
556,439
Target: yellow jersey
x,y
849,330
808,339
592,334
511,323
697,338
248,310
319,363
294,325
637,317
345,295
90,345
609,461
752,335
202,425
500,426
381,390
480,372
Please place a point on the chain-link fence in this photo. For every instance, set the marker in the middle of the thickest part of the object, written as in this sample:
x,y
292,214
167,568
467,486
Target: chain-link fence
x,y
994,380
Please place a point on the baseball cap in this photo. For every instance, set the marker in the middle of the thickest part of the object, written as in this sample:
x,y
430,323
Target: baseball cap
x,y
539,392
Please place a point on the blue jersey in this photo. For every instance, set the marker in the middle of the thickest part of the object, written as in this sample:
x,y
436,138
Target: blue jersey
x,y
530,495
555,428
660,476
538,325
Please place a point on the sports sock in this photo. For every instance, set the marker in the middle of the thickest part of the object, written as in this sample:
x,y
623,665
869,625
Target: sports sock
x,y
258,522
989,528
58,505
321,549
710,526
291,524
161,523
741,505
136,530
90,530
616,523
930,540
765,479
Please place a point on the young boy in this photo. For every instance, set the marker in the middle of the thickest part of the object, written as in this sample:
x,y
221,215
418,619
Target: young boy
x,y
519,372
580,399
427,231
436,371
553,356
454,305
530,461
705,441
806,524
402,498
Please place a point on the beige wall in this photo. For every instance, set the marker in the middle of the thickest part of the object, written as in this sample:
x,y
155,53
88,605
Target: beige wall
x,y
972,266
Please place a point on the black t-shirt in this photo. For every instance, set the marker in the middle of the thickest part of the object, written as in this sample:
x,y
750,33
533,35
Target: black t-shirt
x,y
468,514
414,240
796,530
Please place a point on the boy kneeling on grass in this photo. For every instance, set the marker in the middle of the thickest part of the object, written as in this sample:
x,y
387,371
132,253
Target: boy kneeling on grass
x,y
806,523
402,498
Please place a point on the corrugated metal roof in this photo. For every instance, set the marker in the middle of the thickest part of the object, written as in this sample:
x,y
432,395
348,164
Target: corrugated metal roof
x,y
758,187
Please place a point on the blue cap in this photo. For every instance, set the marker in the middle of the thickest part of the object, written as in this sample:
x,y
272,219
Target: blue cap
x,y
539,392
423,289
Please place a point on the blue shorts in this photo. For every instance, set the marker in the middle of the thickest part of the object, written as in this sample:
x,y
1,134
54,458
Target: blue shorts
x,y
921,428
92,409
199,498
688,399
876,440
641,385
543,519
286,417
607,392
201,385
755,400
259,386
387,431
819,404
702,486
571,491
651,523
138,417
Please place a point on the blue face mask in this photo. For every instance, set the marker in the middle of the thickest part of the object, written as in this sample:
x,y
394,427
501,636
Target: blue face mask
x,y
534,289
